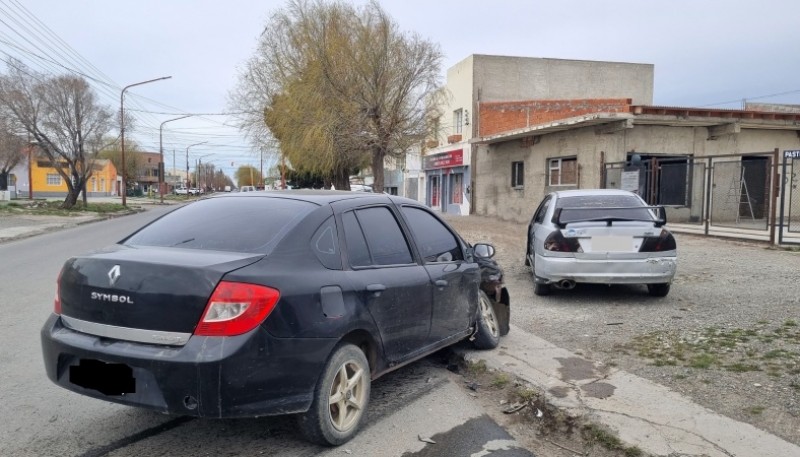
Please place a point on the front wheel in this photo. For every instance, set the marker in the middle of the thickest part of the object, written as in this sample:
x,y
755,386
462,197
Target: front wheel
x,y
658,290
340,399
488,334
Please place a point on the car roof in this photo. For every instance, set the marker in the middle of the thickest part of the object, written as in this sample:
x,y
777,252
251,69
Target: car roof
x,y
591,192
320,197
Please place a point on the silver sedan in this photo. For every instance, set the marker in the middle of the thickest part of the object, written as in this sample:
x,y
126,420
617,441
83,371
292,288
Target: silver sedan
x,y
602,237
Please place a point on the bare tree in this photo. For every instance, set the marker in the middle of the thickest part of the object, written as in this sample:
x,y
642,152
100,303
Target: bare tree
x,y
62,115
352,74
11,151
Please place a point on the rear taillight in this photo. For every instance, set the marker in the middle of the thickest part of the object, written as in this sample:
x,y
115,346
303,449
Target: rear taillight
x,y
664,242
556,242
57,299
235,308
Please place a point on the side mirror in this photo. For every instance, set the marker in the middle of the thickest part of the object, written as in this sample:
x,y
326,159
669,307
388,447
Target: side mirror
x,y
483,250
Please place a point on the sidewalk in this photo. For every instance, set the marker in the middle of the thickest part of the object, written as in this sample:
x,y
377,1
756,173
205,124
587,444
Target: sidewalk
x,y
659,421
18,226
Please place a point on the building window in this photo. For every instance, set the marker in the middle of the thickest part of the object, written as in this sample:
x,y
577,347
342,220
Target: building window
x,y
563,171
53,179
517,175
390,190
458,120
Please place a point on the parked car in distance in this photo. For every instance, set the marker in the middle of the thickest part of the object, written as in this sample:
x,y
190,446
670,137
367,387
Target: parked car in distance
x,y
181,191
247,189
309,297
602,236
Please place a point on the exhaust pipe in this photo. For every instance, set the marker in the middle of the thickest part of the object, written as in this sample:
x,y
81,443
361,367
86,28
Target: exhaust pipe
x,y
566,284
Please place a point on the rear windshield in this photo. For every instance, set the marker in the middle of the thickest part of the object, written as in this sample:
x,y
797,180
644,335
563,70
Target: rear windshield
x,y
238,224
602,207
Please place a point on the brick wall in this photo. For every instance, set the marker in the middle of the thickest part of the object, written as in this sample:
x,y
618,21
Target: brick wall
x,y
496,117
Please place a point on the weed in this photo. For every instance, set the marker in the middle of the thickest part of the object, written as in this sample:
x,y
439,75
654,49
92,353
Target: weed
x,y
477,367
501,380
755,410
525,394
595,434
742,367
790,323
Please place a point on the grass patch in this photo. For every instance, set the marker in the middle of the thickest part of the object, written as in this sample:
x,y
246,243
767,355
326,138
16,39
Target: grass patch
x,y
53,208
593,433
772,349
478,367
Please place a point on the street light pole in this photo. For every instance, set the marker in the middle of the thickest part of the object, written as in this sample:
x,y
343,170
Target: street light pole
x,y
161,152
122,130
187,163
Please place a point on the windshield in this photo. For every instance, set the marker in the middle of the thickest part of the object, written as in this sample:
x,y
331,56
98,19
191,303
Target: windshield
x,y
237,224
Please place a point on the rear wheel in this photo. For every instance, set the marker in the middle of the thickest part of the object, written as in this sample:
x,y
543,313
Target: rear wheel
x,y
340,399
658,290
488,334
541,289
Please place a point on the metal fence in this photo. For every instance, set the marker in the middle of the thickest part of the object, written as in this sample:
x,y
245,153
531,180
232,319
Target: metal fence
x,y
727,192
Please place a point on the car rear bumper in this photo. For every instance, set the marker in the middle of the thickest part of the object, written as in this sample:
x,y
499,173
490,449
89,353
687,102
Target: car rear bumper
x,y
652,270
248,375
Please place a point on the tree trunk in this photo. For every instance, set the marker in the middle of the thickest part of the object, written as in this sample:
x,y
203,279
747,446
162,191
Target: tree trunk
x,y
72,198
378,155
3,180
341,178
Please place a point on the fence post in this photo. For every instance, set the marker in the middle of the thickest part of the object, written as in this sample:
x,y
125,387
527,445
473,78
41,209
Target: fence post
x,y
774,196
709,175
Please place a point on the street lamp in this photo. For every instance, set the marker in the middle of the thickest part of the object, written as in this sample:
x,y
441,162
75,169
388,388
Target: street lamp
x,y
187,161
122,130
161,152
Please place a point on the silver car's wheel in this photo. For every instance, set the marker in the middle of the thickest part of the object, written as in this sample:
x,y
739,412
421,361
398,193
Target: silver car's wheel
x,y
340,400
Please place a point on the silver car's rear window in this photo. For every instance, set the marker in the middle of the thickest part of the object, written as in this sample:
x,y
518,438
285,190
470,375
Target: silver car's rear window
x,y
238,224
599,207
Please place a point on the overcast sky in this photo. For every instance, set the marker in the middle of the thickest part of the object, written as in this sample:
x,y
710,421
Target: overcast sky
x,y
706,53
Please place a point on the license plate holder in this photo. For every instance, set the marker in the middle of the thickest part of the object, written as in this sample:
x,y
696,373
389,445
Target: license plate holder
x,y
113,379
612,243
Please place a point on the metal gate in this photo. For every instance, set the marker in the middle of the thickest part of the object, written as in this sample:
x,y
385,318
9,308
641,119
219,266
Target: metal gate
x,y
790,198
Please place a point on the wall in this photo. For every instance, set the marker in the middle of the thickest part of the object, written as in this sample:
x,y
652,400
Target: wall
x,y
498,78
497,117
493,193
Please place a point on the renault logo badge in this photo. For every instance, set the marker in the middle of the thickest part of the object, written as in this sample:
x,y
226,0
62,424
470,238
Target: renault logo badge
x,y
113,275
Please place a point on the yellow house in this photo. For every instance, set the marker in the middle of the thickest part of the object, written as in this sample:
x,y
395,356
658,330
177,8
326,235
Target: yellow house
x,y
48,183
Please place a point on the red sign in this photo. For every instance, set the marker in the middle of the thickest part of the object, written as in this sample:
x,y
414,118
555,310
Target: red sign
x,y
445,159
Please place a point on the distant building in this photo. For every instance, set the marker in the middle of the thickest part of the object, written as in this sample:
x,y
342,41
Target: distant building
x,y
48,183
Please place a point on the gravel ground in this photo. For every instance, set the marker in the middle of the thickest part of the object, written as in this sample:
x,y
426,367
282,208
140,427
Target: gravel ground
x,y
727,335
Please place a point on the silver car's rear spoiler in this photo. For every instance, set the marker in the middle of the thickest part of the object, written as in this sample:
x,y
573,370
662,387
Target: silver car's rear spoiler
x,y
655,214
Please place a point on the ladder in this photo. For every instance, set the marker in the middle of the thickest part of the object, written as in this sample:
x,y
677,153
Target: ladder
x,y
736,191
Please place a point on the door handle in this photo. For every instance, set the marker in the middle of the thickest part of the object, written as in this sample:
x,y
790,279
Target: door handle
x,y
376,288
441,283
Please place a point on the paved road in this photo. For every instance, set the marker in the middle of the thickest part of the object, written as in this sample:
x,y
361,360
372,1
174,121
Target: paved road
x,y
42,419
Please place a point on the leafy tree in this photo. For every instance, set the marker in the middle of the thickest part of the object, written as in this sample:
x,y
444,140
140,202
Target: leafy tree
x,y
334,83
63,116
133,160
248,175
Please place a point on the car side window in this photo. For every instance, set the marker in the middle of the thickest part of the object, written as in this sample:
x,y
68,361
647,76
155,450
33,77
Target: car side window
x,y
538,218
374,238
357,250
325,244
435,242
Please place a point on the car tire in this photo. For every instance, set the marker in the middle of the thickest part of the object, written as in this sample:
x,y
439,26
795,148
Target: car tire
x,y
487,335
658,290
340,399
541,289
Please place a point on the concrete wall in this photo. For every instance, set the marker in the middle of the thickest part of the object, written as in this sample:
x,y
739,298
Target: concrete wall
x,y
495,197
498,78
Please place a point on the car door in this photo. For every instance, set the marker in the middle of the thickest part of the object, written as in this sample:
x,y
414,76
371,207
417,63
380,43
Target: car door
x,y
387,279
454,281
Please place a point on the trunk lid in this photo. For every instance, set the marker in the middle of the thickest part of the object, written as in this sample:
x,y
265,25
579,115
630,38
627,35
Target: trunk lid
x,y
619,240
159,289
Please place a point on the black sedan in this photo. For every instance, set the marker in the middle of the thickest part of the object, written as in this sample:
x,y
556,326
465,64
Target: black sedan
x,y
267,303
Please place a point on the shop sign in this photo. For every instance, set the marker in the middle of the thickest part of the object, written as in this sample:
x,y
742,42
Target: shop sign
x,y
445,159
